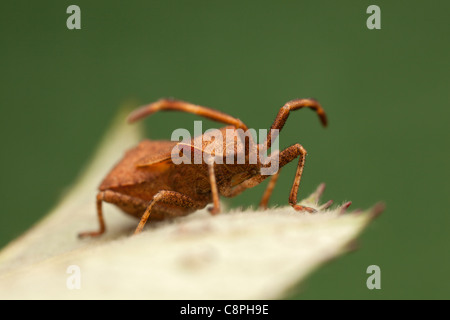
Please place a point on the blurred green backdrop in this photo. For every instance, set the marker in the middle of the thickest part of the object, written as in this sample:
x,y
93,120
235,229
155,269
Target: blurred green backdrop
x,y
386,93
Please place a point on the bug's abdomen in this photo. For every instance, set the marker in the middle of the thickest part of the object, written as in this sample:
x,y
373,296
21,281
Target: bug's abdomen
x,y
135,206
128,171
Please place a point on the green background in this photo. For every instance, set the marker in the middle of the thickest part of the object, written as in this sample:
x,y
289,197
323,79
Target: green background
x,y
386,93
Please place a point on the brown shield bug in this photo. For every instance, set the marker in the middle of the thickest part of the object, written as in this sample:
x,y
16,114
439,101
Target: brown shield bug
x,y
147,183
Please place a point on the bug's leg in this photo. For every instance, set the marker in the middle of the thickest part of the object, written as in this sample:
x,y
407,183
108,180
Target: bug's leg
x,y
286,156
284,112
178,105
101,221
294,151
214,191
122,200
169,197
269,189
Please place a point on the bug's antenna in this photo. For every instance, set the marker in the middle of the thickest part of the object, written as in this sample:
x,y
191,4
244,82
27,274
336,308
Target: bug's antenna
x,y
284,112
178,105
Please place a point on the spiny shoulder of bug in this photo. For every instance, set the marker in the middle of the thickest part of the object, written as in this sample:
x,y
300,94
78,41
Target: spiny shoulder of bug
x,y
227,142
234,157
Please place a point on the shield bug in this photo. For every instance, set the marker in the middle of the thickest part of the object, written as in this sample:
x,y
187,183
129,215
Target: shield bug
x,y
147,183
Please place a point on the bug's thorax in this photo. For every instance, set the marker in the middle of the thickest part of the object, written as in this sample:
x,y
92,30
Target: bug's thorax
x,y
232,152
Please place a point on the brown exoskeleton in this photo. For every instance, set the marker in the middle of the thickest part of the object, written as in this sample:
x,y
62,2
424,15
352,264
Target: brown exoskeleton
x,y
147,184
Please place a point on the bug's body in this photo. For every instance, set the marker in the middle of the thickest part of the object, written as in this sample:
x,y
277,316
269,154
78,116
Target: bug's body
x,y
140,183
147,184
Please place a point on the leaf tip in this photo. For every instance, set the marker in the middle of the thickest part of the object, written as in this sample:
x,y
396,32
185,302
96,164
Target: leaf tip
x,y
377,210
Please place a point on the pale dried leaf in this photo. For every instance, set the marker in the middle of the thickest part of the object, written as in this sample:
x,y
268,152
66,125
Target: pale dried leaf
x,y
235,255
